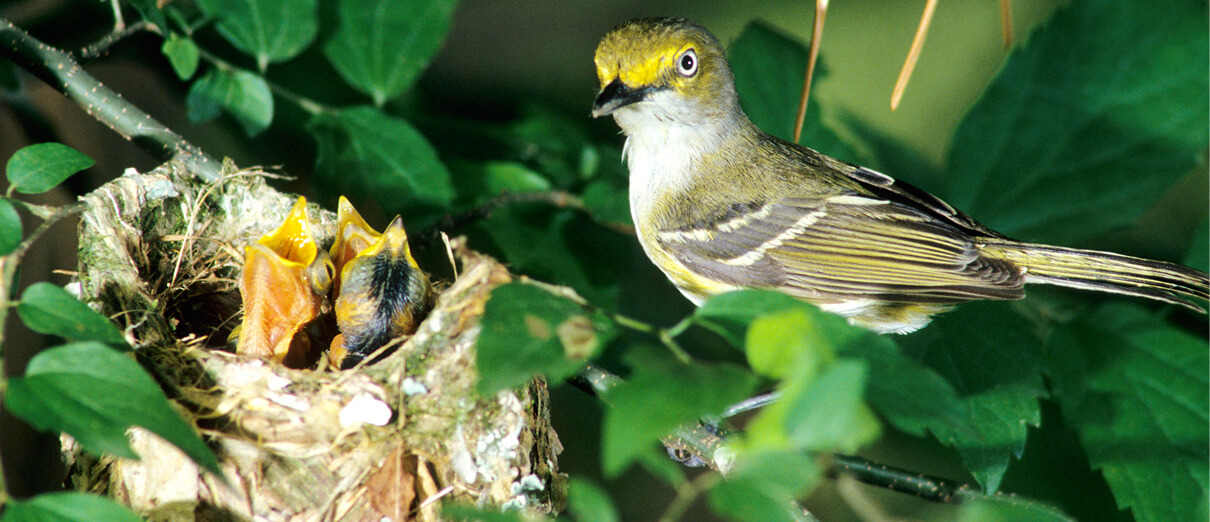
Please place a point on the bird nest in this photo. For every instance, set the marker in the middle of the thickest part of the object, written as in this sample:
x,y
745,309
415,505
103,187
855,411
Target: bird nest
x,y
160,253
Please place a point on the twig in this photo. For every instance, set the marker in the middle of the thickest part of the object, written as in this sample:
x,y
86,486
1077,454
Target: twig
x,y
703,445
685,495
60,70
101,46
896,479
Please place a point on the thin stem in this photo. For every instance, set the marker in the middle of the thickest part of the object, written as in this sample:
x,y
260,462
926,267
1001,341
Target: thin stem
x,y
1006,22
8,285
47,222
97,49
897,479
754,403
686,493
310,106
665,337
914,53
821,9
8,282
60,70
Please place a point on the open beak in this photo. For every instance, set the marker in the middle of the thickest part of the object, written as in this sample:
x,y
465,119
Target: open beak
x,y
617,95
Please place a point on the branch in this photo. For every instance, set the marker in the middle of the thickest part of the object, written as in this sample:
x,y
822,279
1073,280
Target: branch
x,y
60,70
703,444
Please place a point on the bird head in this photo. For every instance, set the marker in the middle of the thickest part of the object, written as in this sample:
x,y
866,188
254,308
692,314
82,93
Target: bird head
x,y
667,69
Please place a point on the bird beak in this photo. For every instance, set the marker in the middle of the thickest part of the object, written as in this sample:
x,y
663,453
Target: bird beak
x,y
617,95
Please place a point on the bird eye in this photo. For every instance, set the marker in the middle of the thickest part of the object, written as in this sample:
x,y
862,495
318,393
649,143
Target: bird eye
x,y
686,65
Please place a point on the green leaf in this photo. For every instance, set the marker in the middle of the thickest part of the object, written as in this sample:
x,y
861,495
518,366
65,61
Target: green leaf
x,y
1199,252
242,94
1002,508
46,308
40,167
479,182
1135,390
769,68
182,53
1008,509
363,152
660,395
575,252
467,513
150,11
829,414
381,46
909,395
763,486
729,314
67,507
1083,129
528,331
781,344
609,201
552,142
10,227
993,358
95,394
270,30
587,502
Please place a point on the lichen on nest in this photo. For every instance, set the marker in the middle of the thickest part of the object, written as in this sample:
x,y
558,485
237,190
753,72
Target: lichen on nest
x,y
160,254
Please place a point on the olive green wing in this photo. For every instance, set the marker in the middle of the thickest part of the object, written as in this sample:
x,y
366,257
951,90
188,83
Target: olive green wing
x,y
843,248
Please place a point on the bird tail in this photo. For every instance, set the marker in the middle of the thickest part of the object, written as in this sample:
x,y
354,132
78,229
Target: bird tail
x,y
1106,272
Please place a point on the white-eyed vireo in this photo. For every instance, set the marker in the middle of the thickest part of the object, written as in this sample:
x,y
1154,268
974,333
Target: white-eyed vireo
x,y
720,205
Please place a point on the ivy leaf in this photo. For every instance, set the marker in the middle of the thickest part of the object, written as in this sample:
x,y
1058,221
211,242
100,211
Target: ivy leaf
x,y
993,359
365,153
381,46
11,232
1135,390
182,54
769,68
269,30
40,167
48,309
242,94
1079,121
95,394
67,507
528,331
660,395
908,394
